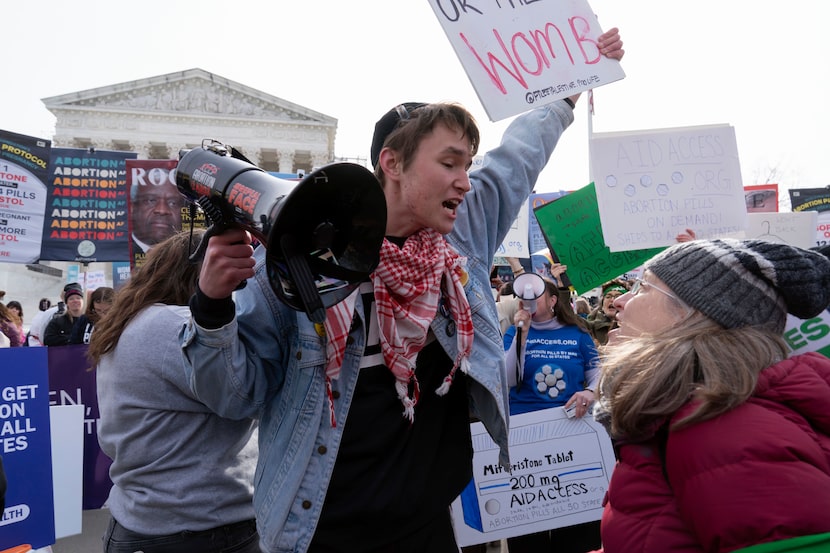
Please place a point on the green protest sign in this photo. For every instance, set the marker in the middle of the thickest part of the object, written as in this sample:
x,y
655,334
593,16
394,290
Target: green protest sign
x,y
572,229
804,335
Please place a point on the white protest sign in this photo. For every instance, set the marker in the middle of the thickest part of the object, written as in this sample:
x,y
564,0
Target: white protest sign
x,y
560,472
67,433
796,229
95,279
653,185
522,54
516,242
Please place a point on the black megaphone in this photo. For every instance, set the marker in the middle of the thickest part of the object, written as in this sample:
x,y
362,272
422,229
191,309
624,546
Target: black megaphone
x,y
322,235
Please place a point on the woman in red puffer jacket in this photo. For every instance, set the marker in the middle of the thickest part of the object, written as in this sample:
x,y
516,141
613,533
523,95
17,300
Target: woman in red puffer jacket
x,y
723,442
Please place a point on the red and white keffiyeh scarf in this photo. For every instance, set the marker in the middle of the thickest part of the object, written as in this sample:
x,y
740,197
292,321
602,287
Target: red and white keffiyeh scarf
x,y
407,288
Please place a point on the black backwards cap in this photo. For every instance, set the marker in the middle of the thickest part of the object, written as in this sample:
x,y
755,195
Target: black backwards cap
x,y
388,123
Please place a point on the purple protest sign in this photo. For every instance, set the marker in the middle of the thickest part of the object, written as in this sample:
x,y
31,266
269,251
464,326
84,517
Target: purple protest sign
x,y
72,382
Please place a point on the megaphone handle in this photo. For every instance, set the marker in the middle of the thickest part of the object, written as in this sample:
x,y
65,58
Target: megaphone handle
x,y
199,254
520,366
303,279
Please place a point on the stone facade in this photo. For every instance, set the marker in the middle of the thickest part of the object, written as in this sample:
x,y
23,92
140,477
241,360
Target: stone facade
x,y
158,116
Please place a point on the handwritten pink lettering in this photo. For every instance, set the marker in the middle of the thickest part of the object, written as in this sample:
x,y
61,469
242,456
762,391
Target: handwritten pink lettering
x,y
534,52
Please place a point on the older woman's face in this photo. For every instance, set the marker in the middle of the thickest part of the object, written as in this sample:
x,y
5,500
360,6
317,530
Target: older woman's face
x,y
648,308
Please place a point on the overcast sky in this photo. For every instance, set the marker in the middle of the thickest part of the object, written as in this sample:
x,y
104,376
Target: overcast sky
x,y
760,66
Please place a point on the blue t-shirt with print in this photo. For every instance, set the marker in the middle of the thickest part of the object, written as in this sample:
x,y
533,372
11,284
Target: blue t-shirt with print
x,y
554,369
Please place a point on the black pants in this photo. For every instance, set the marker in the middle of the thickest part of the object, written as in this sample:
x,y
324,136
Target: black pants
x,y
240,537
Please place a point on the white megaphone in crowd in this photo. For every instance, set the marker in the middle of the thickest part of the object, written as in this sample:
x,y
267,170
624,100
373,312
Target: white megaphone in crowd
x,y
528,287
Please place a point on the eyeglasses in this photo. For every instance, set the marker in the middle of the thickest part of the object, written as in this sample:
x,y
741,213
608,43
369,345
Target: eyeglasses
x,y
640,283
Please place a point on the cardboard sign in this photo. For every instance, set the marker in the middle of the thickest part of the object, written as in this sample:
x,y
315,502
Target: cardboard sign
x,y
653,185
560,472
519,55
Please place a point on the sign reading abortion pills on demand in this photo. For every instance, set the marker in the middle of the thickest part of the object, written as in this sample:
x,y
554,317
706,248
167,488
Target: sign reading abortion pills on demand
x,y
653,185
560,472
25,444
520,55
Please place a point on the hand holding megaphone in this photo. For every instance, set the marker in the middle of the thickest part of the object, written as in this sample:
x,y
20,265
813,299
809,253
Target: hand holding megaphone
x,y
228,261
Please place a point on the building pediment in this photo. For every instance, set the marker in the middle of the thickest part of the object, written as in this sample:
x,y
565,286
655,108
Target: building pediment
x,y
193,92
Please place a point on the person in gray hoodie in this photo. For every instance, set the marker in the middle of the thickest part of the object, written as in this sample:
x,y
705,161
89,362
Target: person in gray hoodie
x,y
182,475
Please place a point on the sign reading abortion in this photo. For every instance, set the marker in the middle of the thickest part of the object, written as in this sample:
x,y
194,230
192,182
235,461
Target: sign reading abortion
x,y
522,54
818,200
653,185
559,474
87,206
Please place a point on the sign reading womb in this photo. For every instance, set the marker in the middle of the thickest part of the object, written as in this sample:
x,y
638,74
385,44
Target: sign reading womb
x,y
520,55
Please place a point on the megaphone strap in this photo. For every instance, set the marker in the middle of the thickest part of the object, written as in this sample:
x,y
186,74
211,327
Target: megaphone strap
x,y
303,279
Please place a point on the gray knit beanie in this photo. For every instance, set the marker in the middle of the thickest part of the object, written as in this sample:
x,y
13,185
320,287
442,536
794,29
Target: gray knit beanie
x,y
746,282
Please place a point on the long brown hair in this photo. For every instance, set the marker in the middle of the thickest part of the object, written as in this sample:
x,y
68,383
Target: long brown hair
x,y
165,277
562,310
9,315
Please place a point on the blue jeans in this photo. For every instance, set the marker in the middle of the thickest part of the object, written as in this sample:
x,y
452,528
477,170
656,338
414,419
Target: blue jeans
x,y
240,537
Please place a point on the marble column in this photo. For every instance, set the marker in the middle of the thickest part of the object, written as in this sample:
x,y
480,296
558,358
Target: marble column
x,y
174,149
254,154
286,161
143,149
319,159
101,144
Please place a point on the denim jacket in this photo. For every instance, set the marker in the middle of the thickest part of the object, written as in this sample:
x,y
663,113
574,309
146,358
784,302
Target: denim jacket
x,y
269,362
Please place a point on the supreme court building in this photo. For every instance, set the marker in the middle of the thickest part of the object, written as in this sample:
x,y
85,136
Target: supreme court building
x,y
158,116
